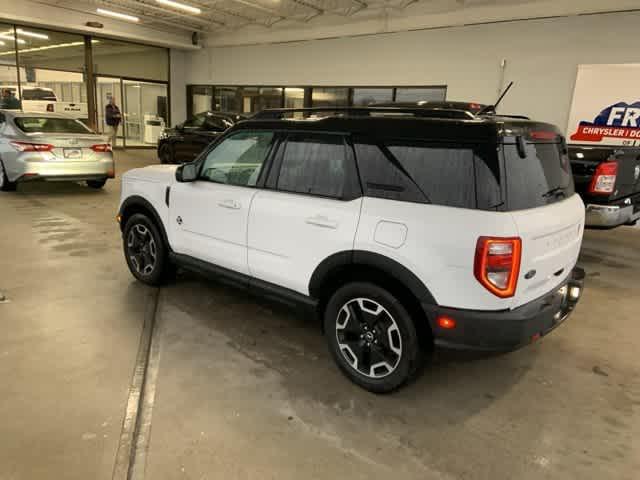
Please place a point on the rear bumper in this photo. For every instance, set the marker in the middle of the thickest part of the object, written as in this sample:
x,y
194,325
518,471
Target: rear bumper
x,y
609,216
509,329
81,170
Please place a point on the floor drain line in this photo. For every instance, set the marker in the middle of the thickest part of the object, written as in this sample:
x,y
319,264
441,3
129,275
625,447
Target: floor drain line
x,y
136,427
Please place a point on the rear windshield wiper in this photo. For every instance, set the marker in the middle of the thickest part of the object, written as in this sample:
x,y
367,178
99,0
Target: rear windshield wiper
x,y
555,192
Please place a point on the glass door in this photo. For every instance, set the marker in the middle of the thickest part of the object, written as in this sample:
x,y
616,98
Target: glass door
x,y
145,112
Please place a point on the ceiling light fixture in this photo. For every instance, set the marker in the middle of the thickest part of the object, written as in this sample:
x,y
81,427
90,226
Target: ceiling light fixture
x,y
10,37
180,6
46,47
27,33
120,16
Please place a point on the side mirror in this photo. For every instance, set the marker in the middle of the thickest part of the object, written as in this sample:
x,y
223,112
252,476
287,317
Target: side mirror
x,y
187,173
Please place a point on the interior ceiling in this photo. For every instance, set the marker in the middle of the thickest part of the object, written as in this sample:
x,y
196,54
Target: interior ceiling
x,y
219,16
228,15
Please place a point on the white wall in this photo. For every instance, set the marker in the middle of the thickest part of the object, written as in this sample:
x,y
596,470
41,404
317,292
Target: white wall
x,y
541,57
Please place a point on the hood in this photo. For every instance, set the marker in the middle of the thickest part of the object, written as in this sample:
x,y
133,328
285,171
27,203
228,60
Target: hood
x,y
165,174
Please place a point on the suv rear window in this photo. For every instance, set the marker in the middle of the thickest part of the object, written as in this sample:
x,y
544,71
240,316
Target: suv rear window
x,y
38,94
464,176
543,176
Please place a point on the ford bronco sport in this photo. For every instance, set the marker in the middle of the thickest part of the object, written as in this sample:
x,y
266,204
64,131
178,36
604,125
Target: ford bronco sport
x,y
403,227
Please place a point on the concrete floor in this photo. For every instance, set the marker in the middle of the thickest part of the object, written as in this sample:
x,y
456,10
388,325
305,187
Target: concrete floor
x,y
247,390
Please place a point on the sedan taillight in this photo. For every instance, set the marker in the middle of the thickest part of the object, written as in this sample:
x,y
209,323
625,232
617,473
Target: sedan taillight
x,y
101,147
497,264
603,181
31,147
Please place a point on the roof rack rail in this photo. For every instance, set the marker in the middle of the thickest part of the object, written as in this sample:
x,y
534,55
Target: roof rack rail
x,y
443,113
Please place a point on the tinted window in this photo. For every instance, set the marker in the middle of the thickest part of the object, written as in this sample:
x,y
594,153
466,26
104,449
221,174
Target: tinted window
x,y
444,174
314,164
50,125
238,159
382,179
197,121
542,177
38,94
215,123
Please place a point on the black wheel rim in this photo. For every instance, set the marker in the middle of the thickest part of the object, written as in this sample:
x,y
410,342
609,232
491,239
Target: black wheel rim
x,y
142,250
368,338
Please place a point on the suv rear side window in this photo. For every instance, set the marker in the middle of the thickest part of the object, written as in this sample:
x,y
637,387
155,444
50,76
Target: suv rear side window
x,y
542,177
464,176
315,164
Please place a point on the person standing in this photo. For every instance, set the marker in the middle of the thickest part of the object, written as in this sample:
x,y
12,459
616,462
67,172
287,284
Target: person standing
x,y
112,117
9,101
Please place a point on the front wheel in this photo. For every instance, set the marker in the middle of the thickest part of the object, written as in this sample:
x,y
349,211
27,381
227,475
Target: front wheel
x,y
371,337
5,184
145,250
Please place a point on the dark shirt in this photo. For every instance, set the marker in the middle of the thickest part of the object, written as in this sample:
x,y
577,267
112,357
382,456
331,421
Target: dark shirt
x,y
10,103
112,115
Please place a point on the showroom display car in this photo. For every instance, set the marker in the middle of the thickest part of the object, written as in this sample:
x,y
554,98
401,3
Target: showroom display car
x,y
608,180
400,229
187,140
52,147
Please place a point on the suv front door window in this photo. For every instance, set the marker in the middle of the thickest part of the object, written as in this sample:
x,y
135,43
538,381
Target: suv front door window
x,y
208,217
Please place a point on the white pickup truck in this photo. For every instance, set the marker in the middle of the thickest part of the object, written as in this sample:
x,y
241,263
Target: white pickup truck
x,y
42,99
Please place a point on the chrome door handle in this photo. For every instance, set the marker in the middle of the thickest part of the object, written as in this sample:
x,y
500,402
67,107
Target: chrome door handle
x,y
322,221
231,204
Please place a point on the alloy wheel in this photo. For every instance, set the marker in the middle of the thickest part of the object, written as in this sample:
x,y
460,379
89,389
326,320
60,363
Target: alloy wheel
x,y
368,338
142,249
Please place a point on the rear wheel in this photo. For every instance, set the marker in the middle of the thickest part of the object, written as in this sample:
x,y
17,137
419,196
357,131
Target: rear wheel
x,y
5,184
145,250
372,337
166,154
96,183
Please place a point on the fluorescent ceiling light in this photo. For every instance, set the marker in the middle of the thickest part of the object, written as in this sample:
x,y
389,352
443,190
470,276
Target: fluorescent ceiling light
x,y
180,6
120,16
46,47
10,37
26,33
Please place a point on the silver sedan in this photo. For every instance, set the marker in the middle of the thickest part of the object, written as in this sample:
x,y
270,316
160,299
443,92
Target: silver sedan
x,y
53,147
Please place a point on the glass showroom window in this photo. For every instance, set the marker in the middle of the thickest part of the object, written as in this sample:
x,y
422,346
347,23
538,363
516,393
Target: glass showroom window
x,y
432,94
8,70
367,96
51,66
201,98
270,97
145,112
130,60
228,99
330,97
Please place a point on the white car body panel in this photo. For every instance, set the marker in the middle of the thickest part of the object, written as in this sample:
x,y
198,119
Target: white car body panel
x,y
291,234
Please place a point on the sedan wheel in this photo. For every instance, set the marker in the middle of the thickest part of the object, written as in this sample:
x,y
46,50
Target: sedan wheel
x,y
5,184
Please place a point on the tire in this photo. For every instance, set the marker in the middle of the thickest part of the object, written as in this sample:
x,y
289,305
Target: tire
x,y
5,184
97,184
377,351
145,251
166,154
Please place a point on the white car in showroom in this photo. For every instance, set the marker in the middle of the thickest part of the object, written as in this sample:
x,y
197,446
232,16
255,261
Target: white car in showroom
x,y
402,227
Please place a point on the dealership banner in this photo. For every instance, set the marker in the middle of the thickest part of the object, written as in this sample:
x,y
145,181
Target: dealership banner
x,y
606,105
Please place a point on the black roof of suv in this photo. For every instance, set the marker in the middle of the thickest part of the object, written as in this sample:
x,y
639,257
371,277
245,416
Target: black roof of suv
x,y
420,122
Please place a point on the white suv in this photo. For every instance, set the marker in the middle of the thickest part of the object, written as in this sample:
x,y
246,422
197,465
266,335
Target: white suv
x,y
402,230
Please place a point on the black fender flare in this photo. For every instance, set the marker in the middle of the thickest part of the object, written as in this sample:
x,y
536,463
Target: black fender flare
x,y
390,267
138,203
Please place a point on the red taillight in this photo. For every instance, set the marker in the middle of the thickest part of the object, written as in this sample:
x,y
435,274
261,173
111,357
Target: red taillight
x,y
101,147
31,147
604,179
497,264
